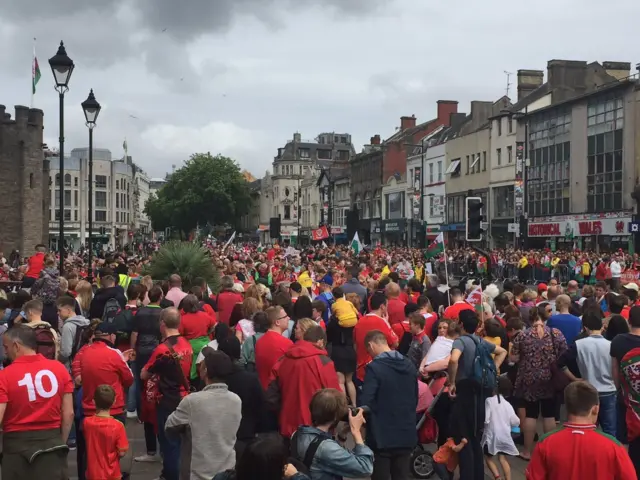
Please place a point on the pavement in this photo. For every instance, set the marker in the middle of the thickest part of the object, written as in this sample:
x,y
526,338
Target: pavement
x,y
151,471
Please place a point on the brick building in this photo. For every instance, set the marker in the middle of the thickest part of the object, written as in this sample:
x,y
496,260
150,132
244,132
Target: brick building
x,y
24,181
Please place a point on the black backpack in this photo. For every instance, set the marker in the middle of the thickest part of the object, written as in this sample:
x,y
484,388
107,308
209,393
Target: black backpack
x,y
111,310
80,338
303,463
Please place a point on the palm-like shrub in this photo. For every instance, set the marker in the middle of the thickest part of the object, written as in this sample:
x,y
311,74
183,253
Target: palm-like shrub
x,y
186,259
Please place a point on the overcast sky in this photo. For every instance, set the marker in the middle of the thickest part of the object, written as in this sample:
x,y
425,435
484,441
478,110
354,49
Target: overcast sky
x,y
238,77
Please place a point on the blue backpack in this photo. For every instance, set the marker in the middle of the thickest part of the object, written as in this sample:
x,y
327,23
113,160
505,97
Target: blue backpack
x,y
485,373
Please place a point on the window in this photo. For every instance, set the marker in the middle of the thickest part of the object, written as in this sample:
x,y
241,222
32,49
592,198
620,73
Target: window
x,y
75,198
605,154
303,153
548,179
67,213
57,215
57,179
499,122
431,173
503,201
439,170
67,198
510,124
75,215
287,212
56,198
484,161
395,205
343,139
117,184
367,205
343,155
117,217
101,181
377,204
455,209
498,156
509,154
117,200
101,215
67,183
324,154
31,180
75,181
468,165
128,203
101,199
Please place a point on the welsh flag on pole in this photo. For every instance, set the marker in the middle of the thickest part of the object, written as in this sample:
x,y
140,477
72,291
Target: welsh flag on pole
x,y
355,244
35,73
436,247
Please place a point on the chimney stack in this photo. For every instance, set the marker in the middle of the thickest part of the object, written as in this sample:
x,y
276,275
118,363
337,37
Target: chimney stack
x,y
446,108
407,122
528,81
375,140
618,70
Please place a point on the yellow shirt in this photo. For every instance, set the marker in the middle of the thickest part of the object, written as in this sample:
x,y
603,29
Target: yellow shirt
x,y
586,269
497,341
523,262
305,280
385,271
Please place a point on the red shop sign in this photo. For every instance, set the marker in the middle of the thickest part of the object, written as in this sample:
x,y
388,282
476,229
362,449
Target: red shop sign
x,y
544,230
590,228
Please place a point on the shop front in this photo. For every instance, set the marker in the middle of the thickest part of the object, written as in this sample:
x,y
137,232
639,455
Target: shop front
x,y
500,235
339,235
394,232
454,234
289,236
606,232
417,233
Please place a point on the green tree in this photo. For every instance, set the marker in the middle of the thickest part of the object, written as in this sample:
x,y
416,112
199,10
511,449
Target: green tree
x,y
206,189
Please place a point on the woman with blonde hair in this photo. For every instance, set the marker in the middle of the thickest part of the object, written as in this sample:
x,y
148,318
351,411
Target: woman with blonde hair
x,y
84,295
302,326
147,281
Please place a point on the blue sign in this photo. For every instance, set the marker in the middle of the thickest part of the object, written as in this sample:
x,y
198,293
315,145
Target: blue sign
x,y
634,227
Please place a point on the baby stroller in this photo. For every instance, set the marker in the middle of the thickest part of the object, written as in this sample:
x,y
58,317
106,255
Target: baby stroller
x,y
422,460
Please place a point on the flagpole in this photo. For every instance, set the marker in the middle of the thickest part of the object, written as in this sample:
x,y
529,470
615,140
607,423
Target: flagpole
x,y
32,70
446,275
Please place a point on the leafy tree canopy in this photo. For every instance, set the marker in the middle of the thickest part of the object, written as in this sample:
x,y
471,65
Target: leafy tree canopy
x,y
206,189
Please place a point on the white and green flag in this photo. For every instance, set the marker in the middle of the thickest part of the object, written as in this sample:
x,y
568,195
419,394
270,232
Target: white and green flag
x,y
436,247
355,244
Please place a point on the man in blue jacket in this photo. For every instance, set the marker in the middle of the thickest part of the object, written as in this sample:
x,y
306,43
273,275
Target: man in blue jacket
x,y
390,391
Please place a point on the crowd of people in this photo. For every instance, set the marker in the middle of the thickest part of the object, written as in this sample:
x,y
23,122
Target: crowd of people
x,y
302,351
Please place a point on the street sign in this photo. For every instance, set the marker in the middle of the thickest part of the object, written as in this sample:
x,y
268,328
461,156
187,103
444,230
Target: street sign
x,y
634,227
513,227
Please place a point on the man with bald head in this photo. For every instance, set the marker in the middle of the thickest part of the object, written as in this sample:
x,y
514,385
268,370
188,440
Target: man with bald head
x,y
563,320
175,293
395,306
173,384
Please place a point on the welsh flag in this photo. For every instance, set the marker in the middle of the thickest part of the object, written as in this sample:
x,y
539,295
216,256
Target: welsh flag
x,y
436,247
355,244
35,73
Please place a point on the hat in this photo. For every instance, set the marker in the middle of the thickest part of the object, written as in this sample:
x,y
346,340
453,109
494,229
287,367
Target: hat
x,y
296,287
328,279
106,328
542,287
631,286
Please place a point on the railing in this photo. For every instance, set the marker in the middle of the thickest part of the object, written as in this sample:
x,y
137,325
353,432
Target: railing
x,y
531,275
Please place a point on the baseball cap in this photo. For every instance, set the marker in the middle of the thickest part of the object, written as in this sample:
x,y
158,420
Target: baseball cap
x,y
106,328
542,287
328,279
631,286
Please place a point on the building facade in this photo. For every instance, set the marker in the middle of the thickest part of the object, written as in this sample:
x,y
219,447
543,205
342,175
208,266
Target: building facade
x,y
119,192
24,182
366,191
582,127
291,164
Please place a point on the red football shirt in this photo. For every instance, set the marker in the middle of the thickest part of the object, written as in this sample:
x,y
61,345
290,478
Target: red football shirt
x,y
33,387
452,312
269,348
105,438
368,323
195,325
395,308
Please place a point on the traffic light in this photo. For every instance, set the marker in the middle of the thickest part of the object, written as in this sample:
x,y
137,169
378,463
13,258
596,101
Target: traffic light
x,y
474,219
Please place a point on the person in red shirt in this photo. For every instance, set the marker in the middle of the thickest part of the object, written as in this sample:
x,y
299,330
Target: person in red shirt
x,y
170,364
35,266
376,320
106,437
395,306
272,345
452,312
303,370
197,327
578,451
36,409
227,299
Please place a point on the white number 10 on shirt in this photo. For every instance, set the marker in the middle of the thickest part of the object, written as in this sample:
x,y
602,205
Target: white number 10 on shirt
x,y
36,387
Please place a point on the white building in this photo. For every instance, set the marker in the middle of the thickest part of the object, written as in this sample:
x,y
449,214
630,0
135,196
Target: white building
x,y
114,208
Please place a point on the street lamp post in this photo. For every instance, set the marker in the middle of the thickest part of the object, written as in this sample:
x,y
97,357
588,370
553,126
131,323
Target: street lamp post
x,y
62,67
91,109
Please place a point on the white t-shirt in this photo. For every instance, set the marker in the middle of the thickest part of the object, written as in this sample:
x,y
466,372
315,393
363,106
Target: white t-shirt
x,y
440,349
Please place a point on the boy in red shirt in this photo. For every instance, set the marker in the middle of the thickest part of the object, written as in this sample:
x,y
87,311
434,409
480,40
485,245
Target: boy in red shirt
x,y
105,437
578,451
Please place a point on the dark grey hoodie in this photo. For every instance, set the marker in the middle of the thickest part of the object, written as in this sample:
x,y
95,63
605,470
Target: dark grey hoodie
x,y
68,335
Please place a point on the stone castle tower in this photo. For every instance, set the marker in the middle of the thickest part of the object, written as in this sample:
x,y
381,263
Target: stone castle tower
x,y
24,181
